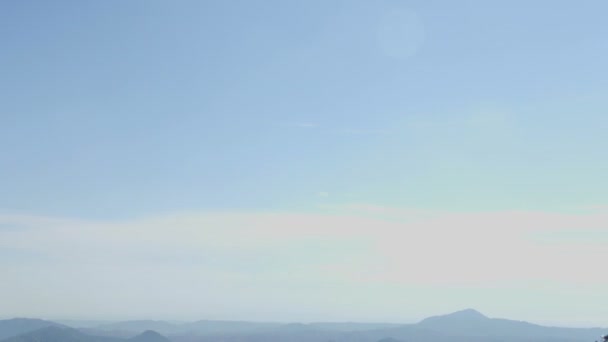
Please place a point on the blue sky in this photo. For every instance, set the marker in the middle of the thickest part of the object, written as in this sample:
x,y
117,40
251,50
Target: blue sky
x,y
123,112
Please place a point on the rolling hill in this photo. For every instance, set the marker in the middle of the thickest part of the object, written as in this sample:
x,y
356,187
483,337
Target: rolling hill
x,y
462,326
17,326
56,333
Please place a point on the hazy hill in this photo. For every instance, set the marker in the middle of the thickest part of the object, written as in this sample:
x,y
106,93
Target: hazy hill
x,y
65,334
82,323
203,327
472,323
209,327
16,326
351,326
459,317
219,327
57,334
139,326
389,339
149,336
462,326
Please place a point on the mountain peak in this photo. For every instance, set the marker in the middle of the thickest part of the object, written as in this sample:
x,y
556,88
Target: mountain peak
x,y
389,339
149,336
467,315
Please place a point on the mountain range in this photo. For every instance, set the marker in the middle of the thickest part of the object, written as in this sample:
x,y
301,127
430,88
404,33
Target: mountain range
x,y
58,333
462,326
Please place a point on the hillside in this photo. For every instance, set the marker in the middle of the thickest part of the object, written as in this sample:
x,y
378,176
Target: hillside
x,y
65,334
57,334
472,323
17,326
461,326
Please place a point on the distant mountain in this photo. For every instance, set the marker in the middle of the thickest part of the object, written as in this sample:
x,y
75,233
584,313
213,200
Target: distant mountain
x,y
467,316
17,326
351,326
125,334
203,327
139,326
294,327
389,339
472,323
57,334
65,334
462,326
149,336
207,327
81,323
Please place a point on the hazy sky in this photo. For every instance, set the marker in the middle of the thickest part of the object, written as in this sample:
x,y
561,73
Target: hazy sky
x,y
304,160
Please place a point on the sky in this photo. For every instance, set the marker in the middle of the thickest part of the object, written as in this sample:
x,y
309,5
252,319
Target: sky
x,y
304,160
